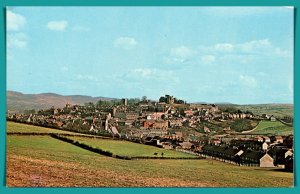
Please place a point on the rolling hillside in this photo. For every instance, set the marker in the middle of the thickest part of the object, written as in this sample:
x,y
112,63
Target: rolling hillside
x,y
36,161
18,102
278,110
273,128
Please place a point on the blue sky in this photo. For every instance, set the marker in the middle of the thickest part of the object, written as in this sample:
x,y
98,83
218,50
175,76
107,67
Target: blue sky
x,y
240,55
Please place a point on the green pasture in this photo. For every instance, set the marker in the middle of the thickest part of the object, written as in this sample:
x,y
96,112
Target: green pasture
x,y
126,148
12,127
47,162
277,110
273,128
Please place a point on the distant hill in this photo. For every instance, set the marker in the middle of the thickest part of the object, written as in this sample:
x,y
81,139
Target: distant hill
x,y
18,102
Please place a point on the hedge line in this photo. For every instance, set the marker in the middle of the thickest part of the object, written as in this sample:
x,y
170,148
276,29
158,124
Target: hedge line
x,y
56,127
28,134
176,158
50,133
109,154
82,145
285,123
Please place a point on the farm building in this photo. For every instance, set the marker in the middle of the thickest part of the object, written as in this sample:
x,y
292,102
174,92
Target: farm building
x,y
279,154
239,156
289,164
186,145
272,118
225,153
252,144
256,158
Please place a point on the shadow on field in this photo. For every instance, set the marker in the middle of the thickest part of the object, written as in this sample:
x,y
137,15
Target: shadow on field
x,y
280,170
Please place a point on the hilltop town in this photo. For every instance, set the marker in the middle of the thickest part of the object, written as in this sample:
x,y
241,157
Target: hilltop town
x,y
171,123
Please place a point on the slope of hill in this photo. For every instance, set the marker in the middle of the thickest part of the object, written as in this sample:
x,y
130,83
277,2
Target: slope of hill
x,y
18,102
36,161
273,128
278,110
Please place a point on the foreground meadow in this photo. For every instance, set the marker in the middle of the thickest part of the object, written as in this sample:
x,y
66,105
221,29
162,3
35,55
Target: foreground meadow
x,y
42,161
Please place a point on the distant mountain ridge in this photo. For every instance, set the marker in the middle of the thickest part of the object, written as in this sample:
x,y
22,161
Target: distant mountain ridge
x,y
18,102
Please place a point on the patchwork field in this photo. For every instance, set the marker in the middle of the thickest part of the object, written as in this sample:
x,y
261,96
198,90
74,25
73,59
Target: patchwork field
x,y
42,161
273,127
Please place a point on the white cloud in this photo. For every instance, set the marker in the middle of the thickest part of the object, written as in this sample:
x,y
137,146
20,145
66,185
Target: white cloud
x,y
57,25
248,81
126,43
143,72
224,47
207,59
14,21
255,46
17,40
86,77
182,52
224,53
150,74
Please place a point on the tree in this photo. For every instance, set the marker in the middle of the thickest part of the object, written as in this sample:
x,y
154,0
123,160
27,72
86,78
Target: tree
x,y
162,99
133,101
89,105
180,102
249,112
28,112
144,98
239,111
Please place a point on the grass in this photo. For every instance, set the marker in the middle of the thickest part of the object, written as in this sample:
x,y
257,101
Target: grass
x,y
126,148
35,161
12,127
278,110
243,125
274,128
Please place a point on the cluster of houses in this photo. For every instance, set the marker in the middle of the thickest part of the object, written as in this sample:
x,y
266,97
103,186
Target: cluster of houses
x,y
256,151
151,117
273,151
160,124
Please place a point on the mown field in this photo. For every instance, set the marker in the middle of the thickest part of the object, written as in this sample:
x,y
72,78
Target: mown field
x,y
274,128
126,148
44,161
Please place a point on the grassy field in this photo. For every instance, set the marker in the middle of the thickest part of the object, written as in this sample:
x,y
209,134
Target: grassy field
x,y
273,127
126,148
278,110
42,161
23,128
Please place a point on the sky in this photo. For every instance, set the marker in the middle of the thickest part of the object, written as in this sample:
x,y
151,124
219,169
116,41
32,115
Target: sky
x,y
241,55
